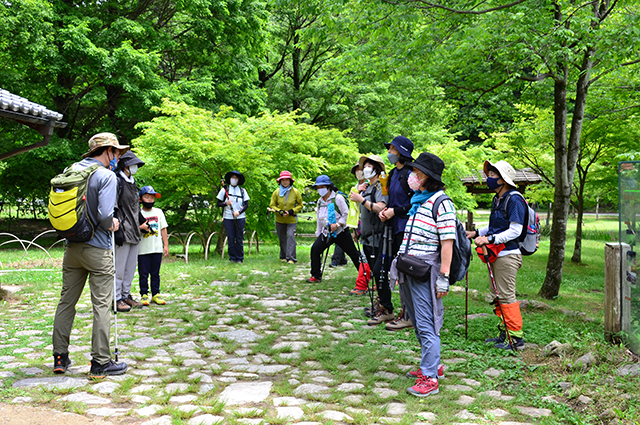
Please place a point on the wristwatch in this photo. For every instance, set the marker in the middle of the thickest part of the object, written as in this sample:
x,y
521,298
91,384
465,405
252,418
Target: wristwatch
x,y
445,275
491,238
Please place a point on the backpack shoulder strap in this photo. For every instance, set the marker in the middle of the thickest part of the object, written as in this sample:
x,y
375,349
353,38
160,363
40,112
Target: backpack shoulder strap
x,y
436,205
404,182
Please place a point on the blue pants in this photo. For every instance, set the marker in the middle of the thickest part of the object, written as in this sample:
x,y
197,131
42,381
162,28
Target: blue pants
x,y
149,264
419,305
235,236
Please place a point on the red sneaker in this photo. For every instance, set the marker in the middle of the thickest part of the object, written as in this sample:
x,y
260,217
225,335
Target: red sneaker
x,y
313,279
415,374
424,386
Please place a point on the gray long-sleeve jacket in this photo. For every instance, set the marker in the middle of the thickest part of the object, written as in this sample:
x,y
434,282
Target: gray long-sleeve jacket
x,y
101,199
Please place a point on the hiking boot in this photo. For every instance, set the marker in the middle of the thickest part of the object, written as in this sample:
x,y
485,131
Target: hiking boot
x,y
145,299
284,260
415,374
518,342
61,362
376,308
382,316
291,262
398,324
122,306
333,265
313,279
357,292
111,368
424,386
156,299
497,340
133,303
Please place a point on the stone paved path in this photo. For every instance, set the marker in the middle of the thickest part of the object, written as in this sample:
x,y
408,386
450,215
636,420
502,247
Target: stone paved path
x,y
217,353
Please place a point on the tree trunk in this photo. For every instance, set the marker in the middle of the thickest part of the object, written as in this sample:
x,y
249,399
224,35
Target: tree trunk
x,y
296,73
565,167
597,207
577,247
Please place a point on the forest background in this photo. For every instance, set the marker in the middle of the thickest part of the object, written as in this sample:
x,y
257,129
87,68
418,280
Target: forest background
x,y
201,87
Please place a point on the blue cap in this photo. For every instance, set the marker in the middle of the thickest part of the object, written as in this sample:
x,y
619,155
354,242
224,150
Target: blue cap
x,y
403,144
322,180
148,190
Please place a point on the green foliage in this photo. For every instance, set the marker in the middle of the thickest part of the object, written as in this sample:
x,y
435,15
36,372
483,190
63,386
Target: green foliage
x,y
188,150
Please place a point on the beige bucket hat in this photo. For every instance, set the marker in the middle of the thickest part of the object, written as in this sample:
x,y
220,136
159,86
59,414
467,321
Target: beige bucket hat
x,y
374,158
505,169
104,139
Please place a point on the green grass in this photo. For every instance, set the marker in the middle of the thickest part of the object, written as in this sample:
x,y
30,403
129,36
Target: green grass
x,y
195,307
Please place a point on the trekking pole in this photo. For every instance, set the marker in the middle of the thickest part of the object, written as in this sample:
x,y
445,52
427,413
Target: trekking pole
x,y
115,304
485,254
326,254
466,305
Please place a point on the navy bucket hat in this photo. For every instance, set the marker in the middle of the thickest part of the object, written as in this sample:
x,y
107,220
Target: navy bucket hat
x,y
322,180
227,177
403,145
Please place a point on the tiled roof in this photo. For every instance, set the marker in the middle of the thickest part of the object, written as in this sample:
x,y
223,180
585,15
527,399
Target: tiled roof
x,y
21,109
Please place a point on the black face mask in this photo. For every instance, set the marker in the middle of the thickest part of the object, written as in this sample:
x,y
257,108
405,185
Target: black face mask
x,y
148,205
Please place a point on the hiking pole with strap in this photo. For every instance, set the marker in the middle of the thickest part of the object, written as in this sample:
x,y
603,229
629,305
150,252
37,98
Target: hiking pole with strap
x,y
485,254
466,305
115,304
326,254
235,219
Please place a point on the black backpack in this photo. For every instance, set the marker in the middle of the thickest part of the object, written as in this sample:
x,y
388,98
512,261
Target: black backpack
x,y
461,246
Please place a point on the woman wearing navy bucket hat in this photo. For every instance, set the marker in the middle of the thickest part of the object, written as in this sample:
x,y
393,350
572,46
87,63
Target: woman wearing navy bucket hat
x,y
429,236
235,201
331,212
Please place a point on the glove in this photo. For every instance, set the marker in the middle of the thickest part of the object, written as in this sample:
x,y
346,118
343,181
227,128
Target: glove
x,y
442,284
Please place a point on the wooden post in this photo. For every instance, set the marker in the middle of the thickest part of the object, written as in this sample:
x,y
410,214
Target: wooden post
x,y
614,252
469,220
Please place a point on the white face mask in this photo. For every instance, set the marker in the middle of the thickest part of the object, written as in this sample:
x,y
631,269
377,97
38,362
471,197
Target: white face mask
x,y
323,191
133,169
359,175
369,172
233,181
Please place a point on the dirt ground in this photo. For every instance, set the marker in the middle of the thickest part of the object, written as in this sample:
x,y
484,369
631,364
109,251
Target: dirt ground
x,y
11,414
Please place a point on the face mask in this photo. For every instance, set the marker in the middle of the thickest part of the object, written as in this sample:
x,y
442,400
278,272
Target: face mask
x,y
323,191
359,175
368,172
414,181
393,158
233,182
113,164
133,169
492,183
148,205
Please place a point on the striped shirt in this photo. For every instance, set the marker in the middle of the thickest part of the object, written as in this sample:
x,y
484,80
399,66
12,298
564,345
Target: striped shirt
x,y
427,232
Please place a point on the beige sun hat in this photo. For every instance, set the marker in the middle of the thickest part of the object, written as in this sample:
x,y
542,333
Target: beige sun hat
x,y
104,139
374,158
505,170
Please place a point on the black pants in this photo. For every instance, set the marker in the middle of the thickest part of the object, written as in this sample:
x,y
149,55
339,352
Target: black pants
x,y
338,258
383,263
149,264
343,240
235,236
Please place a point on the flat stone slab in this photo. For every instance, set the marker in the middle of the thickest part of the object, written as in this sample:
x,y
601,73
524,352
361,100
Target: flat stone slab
x,y
107,412
294,345
147,342
288,401
499,413
86,398
458,388
350,387
334,415
385,392
207,419
306,389
181,399
262,369
105,387
465,400
292,412
183,346
534,412
278,303
249,392
396,409
63,382
240,335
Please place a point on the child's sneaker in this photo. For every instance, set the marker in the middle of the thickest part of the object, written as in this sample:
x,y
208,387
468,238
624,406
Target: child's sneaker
x,y
145,299
156,299
424,386
415,374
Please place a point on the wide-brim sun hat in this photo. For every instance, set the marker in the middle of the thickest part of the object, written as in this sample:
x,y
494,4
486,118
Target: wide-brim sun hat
x,y
430,164
322,180
403,145
104,139
227,177
148,190
374,158
285,175
506,171
355,167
